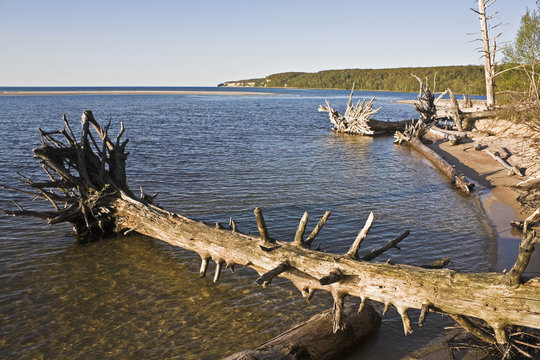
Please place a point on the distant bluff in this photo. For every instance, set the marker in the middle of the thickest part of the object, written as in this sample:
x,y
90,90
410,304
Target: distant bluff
x,y
463,79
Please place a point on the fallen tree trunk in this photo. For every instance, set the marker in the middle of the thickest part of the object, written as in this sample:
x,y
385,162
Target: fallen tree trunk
x,y
315,339
412,137
453,139
88,179
513,169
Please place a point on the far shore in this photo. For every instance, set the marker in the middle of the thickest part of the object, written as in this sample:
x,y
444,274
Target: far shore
x,y
130,92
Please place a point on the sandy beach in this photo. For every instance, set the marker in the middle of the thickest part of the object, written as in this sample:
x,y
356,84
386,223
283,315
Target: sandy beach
x,y
498,200
130,92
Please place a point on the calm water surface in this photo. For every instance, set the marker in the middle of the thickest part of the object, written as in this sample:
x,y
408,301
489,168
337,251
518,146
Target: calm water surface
x,y
209,158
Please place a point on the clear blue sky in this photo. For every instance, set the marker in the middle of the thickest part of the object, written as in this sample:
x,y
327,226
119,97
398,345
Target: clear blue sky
x,y
205,42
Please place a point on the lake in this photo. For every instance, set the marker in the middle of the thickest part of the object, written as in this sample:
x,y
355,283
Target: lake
x,y
211,157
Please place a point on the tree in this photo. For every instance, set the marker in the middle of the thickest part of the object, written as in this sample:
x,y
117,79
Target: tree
x,y
524,53
489,46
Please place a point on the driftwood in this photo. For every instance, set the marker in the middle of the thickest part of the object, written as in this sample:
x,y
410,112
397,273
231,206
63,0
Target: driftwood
x,y
358,119
412,136
524,225
457,115
425,102
315,338
452,138
87,187
513,169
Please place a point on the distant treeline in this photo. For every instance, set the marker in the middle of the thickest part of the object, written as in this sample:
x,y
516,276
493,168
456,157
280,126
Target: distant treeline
x,y
468,79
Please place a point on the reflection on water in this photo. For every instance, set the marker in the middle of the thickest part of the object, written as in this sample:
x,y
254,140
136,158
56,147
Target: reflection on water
x,y
209,158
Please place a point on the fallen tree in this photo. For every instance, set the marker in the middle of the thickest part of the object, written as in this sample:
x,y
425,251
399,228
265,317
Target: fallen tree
x,y
358,119
412,135
315,339
87,187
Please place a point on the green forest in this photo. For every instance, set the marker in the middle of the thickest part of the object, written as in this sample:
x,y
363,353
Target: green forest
x,y
467,79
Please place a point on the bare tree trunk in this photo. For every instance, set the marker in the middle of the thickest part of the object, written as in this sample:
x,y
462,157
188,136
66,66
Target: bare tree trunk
x,y
412,136
456,112
488,53
88,180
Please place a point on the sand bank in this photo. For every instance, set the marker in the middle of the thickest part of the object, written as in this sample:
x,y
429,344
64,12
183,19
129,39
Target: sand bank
x,y
499,204
498,200
130,92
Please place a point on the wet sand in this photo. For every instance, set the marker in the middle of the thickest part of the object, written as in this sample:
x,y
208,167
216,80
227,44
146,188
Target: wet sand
x,y
500,207
497,199
130,92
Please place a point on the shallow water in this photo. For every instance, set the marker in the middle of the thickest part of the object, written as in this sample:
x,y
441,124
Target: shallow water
x,y
209,158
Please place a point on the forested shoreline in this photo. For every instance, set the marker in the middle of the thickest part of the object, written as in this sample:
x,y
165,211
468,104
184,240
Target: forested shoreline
x,y
464,79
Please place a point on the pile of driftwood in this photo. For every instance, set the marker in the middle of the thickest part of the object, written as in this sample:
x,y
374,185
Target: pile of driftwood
x,y
86,185
358,119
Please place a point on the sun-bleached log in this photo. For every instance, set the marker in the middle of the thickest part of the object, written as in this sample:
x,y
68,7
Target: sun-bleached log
x,y
513,169
315,338
99,202
412,137
452,138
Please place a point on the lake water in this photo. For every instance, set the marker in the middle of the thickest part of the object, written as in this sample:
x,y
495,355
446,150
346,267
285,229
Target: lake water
x,y
211,157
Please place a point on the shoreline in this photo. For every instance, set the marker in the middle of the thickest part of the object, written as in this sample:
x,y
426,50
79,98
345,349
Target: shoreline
x,y
498,203
129,92
497,200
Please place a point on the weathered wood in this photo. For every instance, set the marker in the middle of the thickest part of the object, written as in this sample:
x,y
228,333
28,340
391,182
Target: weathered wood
x,y
265,279
358,119
489,295
526,248
261,224
315,338
488,52
457,115
353,250
513,169
299,236
425,102
316,230
389,245
453,139
493,297
440,163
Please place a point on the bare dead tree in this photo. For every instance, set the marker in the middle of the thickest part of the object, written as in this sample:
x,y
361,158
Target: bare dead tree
x,y
358,118
425,103
86,185
489,49
413,136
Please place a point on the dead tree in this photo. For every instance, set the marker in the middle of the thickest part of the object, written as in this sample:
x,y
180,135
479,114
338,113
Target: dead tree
x,y
453,137
425,102
86,184
457,114
358,119
513,170
412,135
489,48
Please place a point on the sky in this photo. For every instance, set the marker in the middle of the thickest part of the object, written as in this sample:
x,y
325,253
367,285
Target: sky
x,y
206,42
